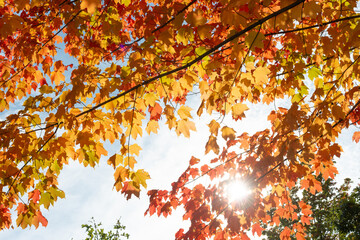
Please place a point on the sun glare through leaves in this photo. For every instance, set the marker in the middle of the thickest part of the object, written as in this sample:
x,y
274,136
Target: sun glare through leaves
x,y
237,191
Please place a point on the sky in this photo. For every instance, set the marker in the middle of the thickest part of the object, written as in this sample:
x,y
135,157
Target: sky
x,y
165,156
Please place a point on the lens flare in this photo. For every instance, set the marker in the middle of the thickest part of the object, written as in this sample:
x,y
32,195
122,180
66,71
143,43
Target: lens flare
x,y
237,191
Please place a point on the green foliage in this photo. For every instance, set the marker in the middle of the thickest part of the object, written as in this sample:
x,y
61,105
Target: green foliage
x,y
95,232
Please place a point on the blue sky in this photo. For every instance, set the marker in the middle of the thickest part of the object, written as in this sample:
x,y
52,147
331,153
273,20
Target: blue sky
x,y
165,156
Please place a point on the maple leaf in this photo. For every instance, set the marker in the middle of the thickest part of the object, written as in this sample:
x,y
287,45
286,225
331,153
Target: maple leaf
x,y
129,189
260,75
356,137
212,145
90,5
214,127
155,112
184,112
256,228
228,133
239,109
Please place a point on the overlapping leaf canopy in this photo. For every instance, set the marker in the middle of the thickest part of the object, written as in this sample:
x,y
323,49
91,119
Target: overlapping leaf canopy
x,y
64,92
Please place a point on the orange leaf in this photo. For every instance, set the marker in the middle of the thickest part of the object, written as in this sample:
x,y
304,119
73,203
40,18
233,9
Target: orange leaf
x,y
194,161
285,234
42,219
90,5
155,112
129,189
356,137
257,228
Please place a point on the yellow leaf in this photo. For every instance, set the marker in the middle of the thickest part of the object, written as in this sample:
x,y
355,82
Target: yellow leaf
x,y
214,127
112,69
135,149
140,177
260,75
150,99
238,110
90,5
120,175
228,133
152,126
184,127
115,160
130,162
125,2
184,112
278,189
212,145
136,130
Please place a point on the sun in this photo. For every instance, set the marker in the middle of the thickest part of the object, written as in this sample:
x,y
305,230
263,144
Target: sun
x,y
237,190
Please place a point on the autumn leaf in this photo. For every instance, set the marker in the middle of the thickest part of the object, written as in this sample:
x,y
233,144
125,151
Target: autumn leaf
x,y
212,145
184,127
129,189
214,127
140,177
256,228
356,137
155,112
196,18
152,126
239,109
184,112
260,75
194,161
255,39
90,5
228,133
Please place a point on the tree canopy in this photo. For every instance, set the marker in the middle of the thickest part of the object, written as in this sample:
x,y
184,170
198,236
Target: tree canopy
x,y
76,75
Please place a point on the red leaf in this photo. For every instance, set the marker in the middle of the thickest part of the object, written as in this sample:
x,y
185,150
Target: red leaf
x,y
179,233
234,223
34,85
155,112
43,81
